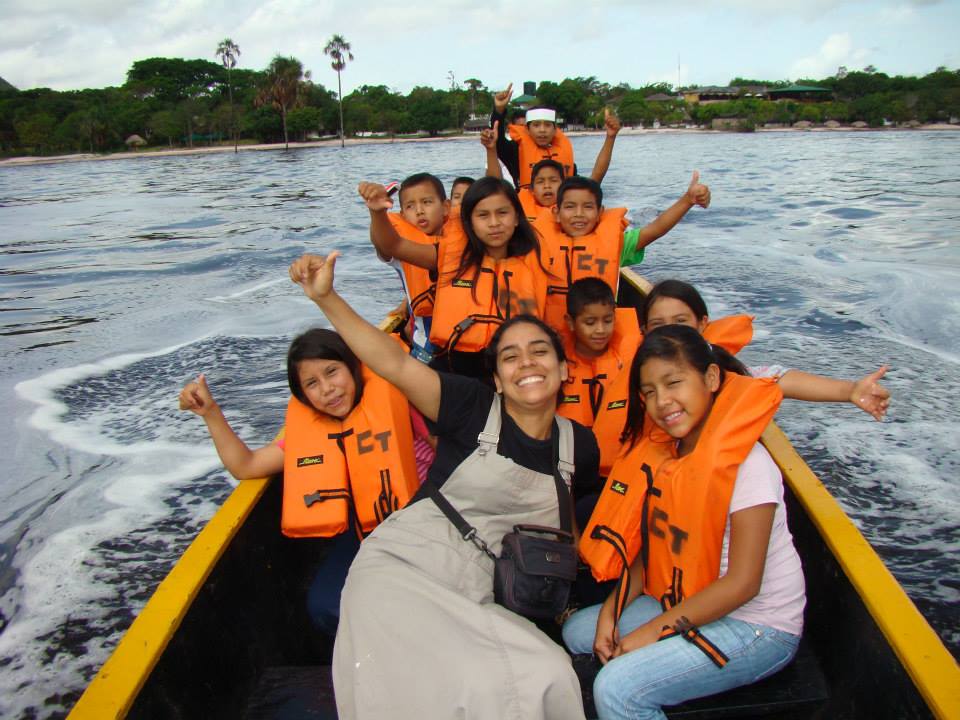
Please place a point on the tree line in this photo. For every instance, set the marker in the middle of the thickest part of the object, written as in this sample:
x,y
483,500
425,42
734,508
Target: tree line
x,y
173,102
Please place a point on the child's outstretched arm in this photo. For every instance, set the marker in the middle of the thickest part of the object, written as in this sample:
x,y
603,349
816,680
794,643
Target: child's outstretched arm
x,y
239,460
385,238
696,194
373,347
488,138
507,151
866,393
612,124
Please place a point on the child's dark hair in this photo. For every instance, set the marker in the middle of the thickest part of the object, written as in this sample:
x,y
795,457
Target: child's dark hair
x,y
676,290
543,165
421,179
491,350
675,343
320,344
579,182
588,291
462,180
525,238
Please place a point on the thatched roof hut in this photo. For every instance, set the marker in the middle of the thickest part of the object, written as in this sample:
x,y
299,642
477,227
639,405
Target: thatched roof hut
x,y
135,141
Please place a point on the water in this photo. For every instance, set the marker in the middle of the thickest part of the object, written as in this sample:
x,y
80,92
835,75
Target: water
x,y
122,280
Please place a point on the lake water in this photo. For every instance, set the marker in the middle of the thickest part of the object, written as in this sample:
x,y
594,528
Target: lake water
x,y
122,280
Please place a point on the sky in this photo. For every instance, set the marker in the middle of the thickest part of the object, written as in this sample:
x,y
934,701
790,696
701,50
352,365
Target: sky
x,y
76,44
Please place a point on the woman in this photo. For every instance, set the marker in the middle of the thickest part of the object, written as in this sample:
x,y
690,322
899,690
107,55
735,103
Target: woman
x,y
420,635
328,490
713,593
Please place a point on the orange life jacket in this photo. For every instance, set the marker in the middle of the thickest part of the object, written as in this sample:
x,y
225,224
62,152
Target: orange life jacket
x,y
464,317
531,208
674,510
731,333
365,460
588,378
593,255
421,284
529,153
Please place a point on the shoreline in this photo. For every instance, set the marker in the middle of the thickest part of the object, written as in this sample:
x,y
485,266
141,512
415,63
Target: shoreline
x,y
27,160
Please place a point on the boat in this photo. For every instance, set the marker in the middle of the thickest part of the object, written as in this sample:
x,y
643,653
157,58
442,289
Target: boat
x,y
223,634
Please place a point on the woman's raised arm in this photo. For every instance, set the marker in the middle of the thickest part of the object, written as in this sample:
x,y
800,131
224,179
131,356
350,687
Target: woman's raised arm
x,y
373,347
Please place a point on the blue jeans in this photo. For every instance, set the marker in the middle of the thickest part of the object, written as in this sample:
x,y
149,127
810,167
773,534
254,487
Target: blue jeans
x,y
671,671
323,597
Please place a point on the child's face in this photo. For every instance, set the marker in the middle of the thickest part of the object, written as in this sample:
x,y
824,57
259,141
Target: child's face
x,y
456,194
494,220
544,186
542,131
421,206
678,397
328,385
670,311
578,213
592,328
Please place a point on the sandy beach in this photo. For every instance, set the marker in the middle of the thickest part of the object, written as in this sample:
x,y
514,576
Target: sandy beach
x,y
144,154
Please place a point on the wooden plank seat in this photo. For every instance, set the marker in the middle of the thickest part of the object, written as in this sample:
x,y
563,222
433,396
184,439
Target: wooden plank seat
x,y
797,691
306,693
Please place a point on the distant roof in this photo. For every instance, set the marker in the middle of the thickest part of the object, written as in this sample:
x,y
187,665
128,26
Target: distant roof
x,y
661,97
799,88
714,90
525,99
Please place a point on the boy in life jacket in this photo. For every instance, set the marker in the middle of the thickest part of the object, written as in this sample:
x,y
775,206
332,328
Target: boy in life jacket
x,y
521,146
346,456
600,341
424,211
585,239
458,188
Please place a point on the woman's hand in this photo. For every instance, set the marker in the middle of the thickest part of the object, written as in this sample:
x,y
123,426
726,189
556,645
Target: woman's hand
x,y
196,397
646,634
608,637
314,274
870,396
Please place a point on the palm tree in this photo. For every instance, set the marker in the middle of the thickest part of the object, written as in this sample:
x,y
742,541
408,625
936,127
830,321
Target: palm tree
x,y
228,52
474,85
339,49
284,77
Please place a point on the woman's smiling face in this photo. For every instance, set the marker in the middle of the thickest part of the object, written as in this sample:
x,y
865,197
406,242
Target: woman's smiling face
x,y
529,372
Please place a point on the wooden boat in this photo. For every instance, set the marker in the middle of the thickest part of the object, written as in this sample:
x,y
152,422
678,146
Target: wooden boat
x,y
228,623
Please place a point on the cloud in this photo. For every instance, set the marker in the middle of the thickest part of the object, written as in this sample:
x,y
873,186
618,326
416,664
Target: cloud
x,y
836,50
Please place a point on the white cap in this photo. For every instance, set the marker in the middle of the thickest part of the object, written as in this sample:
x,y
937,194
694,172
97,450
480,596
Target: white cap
x,y
541,114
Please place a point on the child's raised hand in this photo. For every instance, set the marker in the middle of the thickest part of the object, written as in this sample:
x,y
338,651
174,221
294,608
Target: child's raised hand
x,y
488,136
501,99
196,397
870,396
697,192
375,196
314,274
611,122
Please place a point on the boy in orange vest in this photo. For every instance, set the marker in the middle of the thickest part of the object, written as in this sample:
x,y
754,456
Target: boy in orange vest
x,y
599,340
583,239
540,139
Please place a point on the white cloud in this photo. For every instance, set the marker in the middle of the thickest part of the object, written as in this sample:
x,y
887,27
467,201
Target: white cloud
x,y
837,50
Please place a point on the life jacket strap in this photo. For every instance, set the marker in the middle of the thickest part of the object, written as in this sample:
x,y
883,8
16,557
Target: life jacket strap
x,y
691,633
320,496
615,539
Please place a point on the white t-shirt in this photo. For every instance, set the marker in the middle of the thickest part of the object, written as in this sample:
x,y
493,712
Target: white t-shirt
x,y
782,596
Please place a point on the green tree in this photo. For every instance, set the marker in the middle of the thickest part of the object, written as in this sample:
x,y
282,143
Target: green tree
x,y
228,52
165,124
171,80
281,89
36,131
339,50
